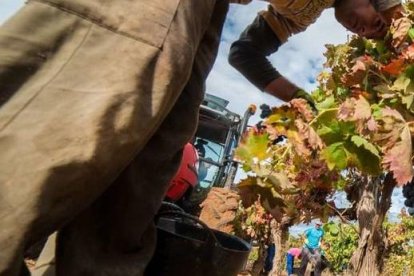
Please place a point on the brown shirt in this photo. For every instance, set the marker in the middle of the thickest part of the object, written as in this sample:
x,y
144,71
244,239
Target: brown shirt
x,y
288,17
271,29
293,16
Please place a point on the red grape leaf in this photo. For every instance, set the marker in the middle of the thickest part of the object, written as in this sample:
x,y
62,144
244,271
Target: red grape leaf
x,y
398,158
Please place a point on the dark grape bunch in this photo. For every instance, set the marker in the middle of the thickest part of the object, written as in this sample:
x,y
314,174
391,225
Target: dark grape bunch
x,y
408,193
266,111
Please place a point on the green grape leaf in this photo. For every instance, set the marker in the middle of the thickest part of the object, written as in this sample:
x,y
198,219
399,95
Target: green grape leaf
x,y
362,142
362,158
329,102
335,156
331,228
411,33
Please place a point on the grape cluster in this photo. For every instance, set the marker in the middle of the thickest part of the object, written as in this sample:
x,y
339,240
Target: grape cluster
x,y
266,111
408,193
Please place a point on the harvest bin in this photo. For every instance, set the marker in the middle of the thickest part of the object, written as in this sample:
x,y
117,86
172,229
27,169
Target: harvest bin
x,y
186,246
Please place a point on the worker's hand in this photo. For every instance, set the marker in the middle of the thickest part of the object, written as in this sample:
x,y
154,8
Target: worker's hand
x,y
302,94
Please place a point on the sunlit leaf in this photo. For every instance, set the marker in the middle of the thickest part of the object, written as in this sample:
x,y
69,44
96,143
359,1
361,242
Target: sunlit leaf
x,y
335,156
253,145
362,142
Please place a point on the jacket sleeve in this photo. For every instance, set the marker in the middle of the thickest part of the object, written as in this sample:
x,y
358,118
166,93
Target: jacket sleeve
x,y
249,53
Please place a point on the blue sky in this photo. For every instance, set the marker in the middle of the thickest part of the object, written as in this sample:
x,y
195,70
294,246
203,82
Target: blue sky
x,y
300,60
8,8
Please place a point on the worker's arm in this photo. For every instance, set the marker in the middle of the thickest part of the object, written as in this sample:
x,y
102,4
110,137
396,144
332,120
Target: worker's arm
x,y
249,56
243,2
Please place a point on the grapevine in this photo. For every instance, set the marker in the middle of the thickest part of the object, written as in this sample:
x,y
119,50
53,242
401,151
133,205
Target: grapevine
x,y
364,122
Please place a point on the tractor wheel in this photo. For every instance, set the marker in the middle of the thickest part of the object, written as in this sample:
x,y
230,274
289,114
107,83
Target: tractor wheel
x,y
219,209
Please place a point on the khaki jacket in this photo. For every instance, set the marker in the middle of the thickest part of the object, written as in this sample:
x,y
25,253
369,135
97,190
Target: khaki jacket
x,y
123,16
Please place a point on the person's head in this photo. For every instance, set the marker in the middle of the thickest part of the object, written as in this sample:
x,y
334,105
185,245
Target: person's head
x,y
318,224
360,17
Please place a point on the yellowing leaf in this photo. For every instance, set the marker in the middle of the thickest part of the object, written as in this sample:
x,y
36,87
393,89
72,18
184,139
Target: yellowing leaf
x,y
346,109
407,100
384,91
309,134
389,112
362,109
401,83
399,29
398,158
253,145
280,181
303,109
356,74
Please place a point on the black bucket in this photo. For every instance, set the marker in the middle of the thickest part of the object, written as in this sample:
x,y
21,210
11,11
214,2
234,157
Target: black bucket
x,y
186,246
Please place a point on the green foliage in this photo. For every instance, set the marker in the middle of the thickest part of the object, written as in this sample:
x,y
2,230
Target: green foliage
x,y
364,123
339,242
400,257
252,223
365,120
342,241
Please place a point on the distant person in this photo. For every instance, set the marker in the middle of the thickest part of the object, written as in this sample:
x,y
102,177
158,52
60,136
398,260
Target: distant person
x,y
311,249
199,145
270,255
290,259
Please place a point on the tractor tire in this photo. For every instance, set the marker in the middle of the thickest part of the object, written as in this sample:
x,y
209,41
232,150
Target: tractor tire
x,y
219,209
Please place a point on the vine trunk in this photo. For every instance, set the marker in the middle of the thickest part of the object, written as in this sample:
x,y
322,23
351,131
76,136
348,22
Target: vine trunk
x,y
374,202
280,235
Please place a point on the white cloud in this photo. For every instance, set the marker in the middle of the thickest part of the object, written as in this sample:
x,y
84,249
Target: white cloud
x,y
300,59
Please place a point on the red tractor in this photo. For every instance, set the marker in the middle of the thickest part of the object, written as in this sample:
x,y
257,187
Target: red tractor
x,y
208,159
